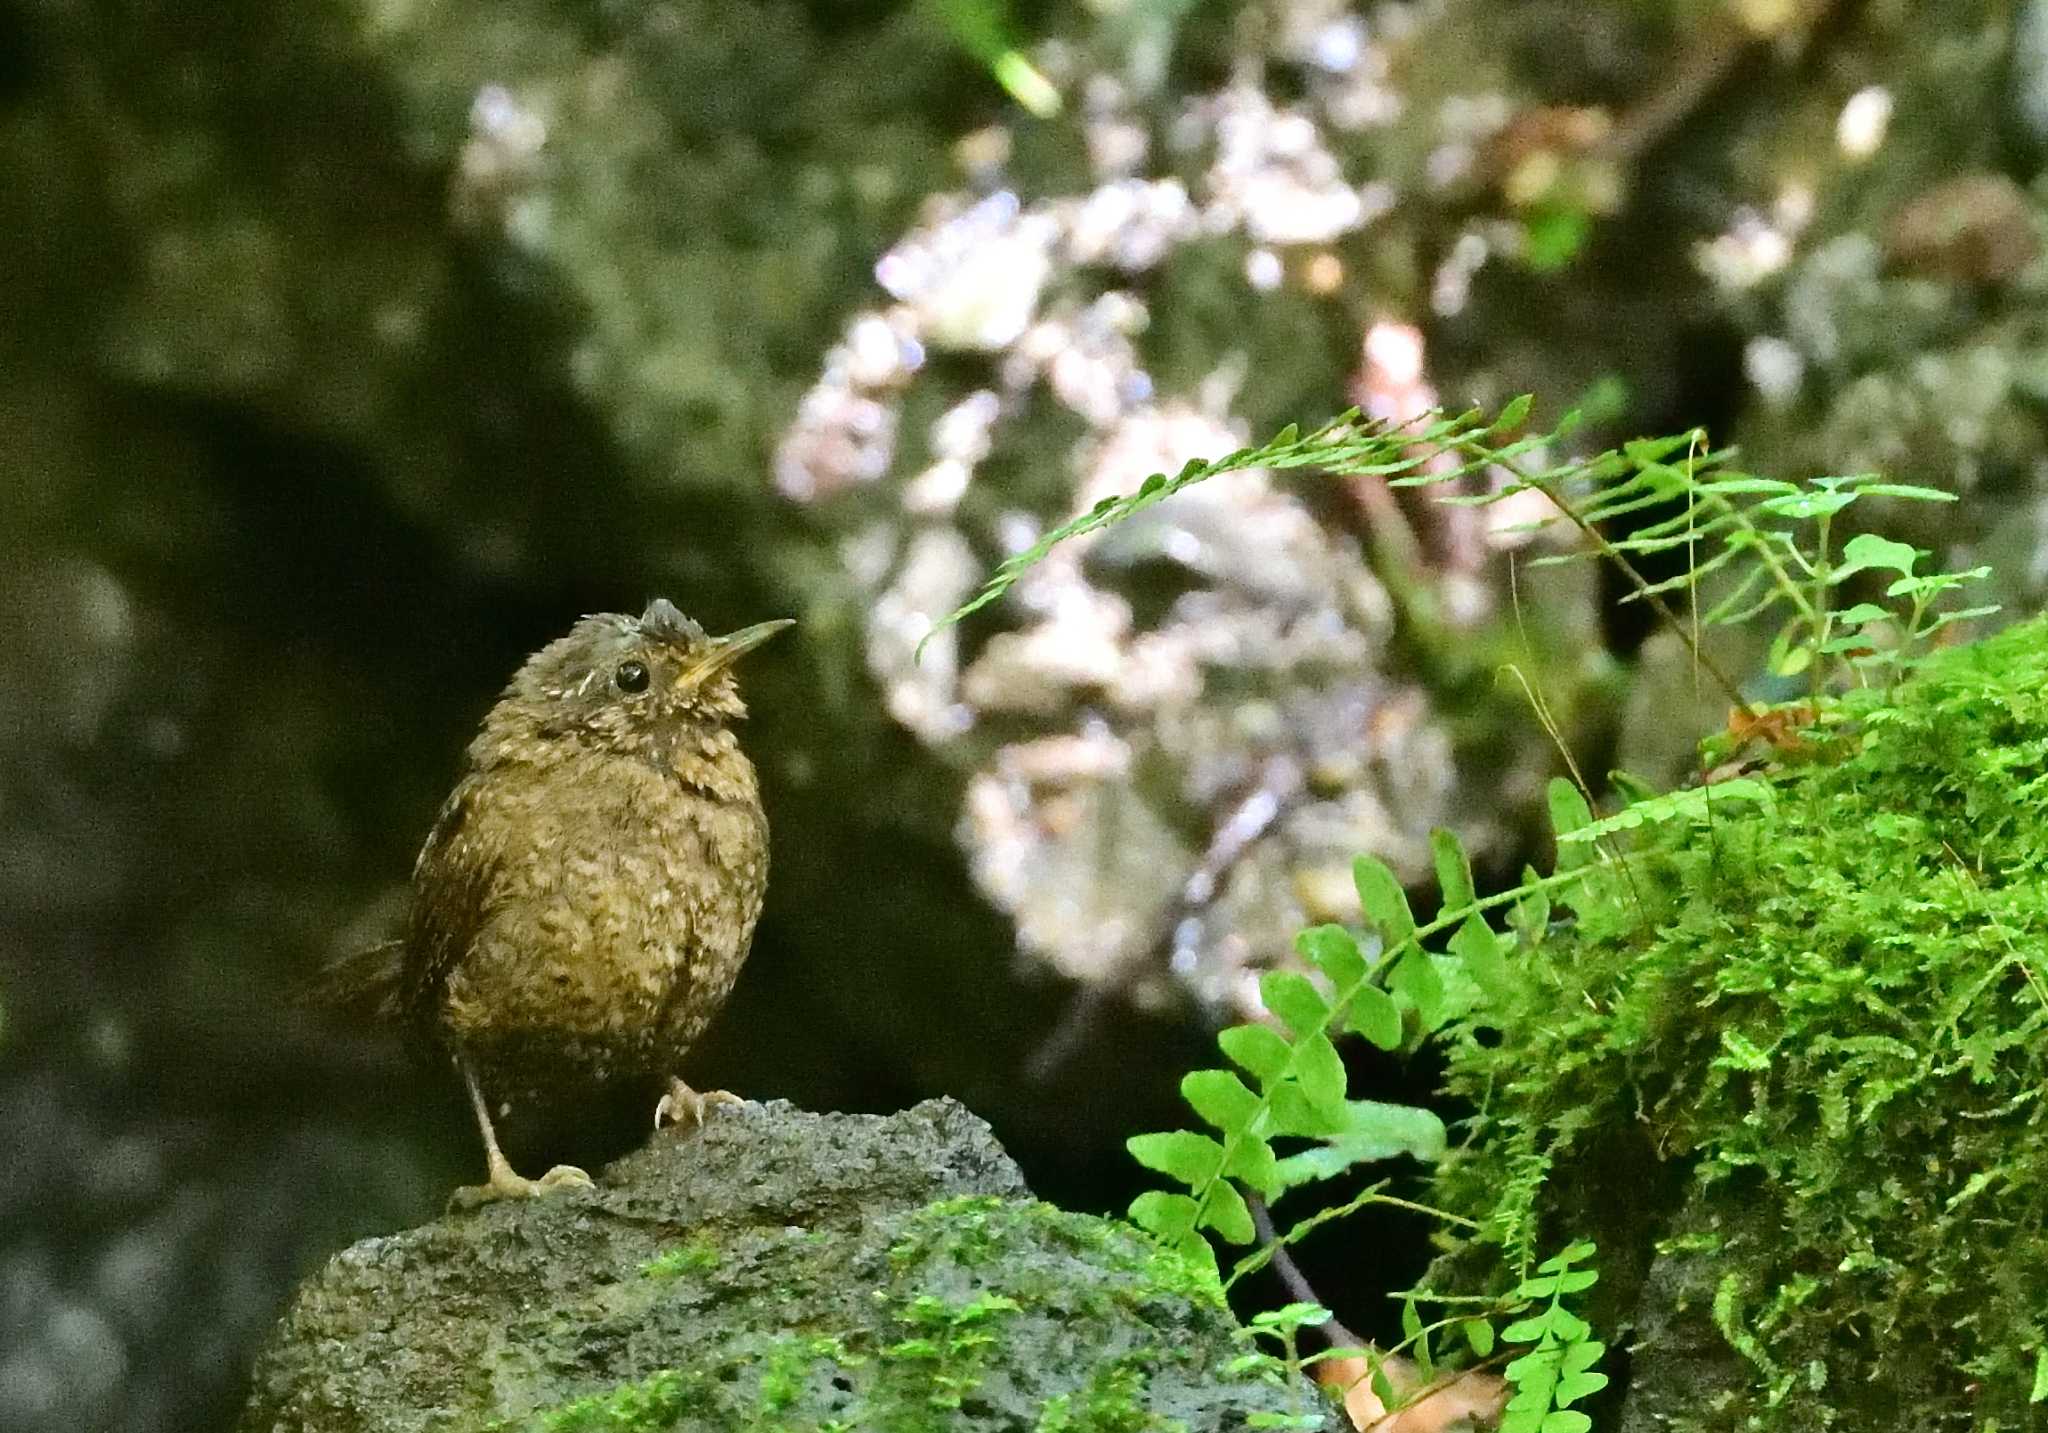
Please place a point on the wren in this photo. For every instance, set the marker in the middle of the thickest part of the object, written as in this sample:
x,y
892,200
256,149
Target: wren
x,y
588,893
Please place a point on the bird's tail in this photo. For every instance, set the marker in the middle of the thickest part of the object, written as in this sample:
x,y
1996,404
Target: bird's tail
x,y
364,984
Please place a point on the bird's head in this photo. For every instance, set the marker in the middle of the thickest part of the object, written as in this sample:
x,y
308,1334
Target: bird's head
x,y
619,681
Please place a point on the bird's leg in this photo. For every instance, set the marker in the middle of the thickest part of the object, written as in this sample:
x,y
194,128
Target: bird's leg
x,y
504,1181
685,1106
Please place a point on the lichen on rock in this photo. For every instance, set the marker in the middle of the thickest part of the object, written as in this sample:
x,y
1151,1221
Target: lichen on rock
x,y
778,1270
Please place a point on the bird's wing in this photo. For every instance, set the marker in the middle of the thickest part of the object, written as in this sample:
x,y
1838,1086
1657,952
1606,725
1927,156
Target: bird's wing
x,y
452,883
366,984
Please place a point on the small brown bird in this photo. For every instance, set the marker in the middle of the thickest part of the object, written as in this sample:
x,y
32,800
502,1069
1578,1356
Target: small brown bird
x,y
588,894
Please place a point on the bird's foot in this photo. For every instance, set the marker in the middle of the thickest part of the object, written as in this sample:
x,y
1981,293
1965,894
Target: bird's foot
x,y
685,1106
506,1184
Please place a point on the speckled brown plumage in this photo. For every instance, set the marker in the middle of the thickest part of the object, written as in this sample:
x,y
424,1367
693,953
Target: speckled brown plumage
x,y
588,893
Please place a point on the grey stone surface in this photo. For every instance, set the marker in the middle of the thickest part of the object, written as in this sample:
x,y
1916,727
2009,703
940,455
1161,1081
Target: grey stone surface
x,y
777,1269
1679,1362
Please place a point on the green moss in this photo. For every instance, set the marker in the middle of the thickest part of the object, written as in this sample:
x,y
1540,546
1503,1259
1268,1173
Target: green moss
x,y
974,1229
1803,1044
1113,1402
698,1256
788,1367
962,1228
965,1206
653,1403
947,1353
960,1281
1175,1273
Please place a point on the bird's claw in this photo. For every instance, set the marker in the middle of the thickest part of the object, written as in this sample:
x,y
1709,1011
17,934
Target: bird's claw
x,y
505,1184
685,1106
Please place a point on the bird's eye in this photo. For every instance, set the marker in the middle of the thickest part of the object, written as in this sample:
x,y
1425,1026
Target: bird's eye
x,y
631,677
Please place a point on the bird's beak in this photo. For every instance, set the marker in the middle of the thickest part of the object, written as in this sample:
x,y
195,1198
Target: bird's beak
x,y
730,648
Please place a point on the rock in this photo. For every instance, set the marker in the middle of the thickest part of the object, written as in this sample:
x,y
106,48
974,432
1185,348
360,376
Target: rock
x,y
776,1269
1682,1362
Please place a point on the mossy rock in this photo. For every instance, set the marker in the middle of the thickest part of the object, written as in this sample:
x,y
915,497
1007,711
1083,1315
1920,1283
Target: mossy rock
x,y
1788,1069
779,1270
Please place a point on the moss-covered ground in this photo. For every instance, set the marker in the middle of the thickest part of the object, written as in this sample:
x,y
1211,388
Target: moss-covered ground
x,y
1787,1066
992,1310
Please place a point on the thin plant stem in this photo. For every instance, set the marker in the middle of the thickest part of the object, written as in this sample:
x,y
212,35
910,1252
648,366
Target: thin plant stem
x,y
1656,600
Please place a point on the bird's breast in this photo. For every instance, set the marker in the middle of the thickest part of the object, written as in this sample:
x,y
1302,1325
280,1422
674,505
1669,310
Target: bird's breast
x,y
615,929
